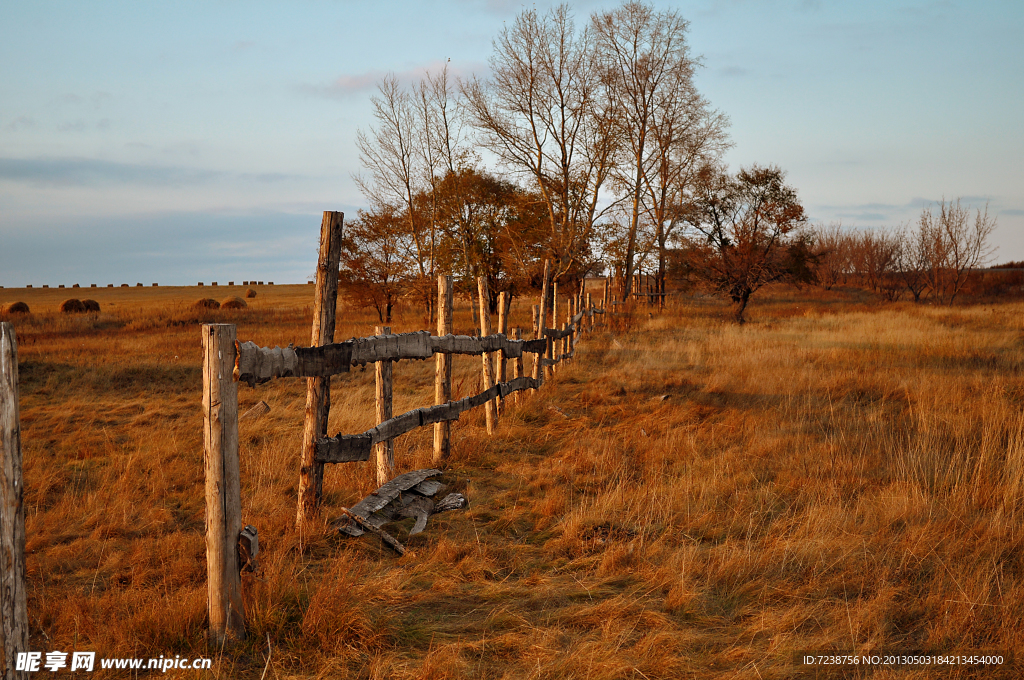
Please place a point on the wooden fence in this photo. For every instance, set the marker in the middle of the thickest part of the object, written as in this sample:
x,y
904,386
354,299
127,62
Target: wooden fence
x,y
228,362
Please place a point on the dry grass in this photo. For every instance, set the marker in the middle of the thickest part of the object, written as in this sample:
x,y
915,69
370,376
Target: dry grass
x,y
832,475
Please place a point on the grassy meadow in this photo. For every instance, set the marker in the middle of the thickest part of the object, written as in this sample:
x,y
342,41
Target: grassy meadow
x,y
688,498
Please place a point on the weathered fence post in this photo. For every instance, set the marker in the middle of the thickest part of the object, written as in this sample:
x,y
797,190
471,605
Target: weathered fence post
x,y
318,390
538,370
385,450
555,344
570,304
13,598
590,313
485,330
503,302
223,486
517,366
443,369
607,290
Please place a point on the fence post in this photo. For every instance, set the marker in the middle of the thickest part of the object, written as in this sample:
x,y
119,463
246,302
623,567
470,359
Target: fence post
x,y
318,390
13,598
385,450
573,330
538,370
555,344
443,369
607,287
590,312
503,303
223,486
517,366
485,330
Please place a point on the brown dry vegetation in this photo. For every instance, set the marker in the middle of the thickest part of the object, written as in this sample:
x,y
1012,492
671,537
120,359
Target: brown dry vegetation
x,y
831,475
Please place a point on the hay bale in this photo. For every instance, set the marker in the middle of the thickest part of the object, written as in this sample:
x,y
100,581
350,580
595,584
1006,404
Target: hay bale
x,y
233,302
206,303
91,305
250,293
72,306
15,308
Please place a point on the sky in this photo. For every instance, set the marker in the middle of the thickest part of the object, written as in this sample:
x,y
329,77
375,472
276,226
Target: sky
x,y
180,142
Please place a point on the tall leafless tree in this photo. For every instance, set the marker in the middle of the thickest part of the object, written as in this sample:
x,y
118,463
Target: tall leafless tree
x,y
390,152
544,114
958,246
666,130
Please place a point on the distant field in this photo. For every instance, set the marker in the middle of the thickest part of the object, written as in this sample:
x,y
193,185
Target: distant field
x,y
689,498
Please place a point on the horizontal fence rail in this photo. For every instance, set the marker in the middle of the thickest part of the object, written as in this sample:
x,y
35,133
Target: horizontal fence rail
x,y
352,448
256,364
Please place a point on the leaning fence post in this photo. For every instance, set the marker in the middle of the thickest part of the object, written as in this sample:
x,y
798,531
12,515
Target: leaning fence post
x,y
485,330
13,599
318,390
223,486
385,450
443,369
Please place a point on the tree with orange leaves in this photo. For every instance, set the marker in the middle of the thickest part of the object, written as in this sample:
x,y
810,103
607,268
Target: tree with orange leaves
x,y
746,231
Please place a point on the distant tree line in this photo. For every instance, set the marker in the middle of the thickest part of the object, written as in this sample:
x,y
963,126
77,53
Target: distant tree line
x,y
932,259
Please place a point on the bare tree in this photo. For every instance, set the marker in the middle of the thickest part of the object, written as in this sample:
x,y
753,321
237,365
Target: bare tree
x,y
392,154
542,113
834,252
913,259
958,246
875,254
665,129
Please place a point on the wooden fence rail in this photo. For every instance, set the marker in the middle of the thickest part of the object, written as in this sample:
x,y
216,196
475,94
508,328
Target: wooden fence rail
x,y
352,448
256,364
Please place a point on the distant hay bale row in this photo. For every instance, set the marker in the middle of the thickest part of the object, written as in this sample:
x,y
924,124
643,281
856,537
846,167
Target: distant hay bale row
x,y
76,306
233,302
15,308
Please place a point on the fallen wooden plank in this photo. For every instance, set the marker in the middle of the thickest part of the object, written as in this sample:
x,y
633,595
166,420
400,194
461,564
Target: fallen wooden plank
x,y
388,491
388,539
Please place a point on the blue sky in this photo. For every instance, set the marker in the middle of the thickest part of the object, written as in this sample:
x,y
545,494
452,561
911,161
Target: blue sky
x,y
198,141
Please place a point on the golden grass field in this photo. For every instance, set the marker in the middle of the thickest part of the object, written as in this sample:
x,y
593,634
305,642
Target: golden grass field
x,y
833,475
